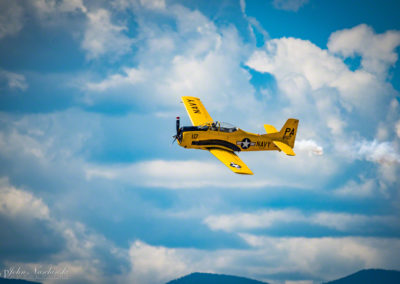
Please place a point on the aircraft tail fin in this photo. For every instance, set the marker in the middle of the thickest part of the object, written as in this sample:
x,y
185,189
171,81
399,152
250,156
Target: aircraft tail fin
x,y
285,137
288,132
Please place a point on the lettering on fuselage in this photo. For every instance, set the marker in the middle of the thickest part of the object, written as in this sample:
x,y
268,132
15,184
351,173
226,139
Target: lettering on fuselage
x,y
262,144
288,132
193,106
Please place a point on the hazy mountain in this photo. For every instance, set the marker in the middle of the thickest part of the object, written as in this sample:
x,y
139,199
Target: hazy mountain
x,y
367,276
370,276
202,278
16,281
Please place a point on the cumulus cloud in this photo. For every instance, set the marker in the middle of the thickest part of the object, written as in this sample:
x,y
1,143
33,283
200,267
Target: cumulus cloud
x,y
378,51
338,99
156,264
132,77
22,212
365,188
103,37
196,58
14,202
344,222
312,255
397,128
50,6
153,4
245,221
13,80
253,25
35,238
304,70
157,5
176,175
378,152
11,18
309,146
14,14
306,259
289,5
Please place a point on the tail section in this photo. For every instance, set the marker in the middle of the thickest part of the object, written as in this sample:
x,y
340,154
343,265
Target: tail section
x,y
288,131
270,129
286,136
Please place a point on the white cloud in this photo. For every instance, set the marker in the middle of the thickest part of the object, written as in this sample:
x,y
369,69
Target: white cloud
x,y
253,25
303,70
245,221
312,258
197,58
157,5
62,245
11,18
352,222
47,7
14,80
365,188
176,175
309,146
397,127
103,37
378,152
153,4
378,51
345,222
15,202
315,256
72,5
289,5
133,76
338,100
156,264
13,14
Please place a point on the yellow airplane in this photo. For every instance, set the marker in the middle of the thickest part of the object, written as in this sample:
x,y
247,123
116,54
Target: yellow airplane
x,y
223,140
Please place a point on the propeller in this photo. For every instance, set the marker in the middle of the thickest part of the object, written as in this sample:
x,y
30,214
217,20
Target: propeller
x,y
178,131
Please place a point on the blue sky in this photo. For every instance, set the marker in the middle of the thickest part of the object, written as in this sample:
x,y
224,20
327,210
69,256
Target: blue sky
x,y
89,180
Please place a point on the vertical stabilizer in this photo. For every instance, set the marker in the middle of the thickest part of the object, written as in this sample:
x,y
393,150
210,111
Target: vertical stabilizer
x,y
289,131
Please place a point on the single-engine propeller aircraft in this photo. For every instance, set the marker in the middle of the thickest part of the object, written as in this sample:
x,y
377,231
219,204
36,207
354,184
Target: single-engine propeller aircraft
x,y
223,140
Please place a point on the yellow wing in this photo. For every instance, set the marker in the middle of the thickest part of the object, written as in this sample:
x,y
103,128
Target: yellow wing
x,y
196,111
232,161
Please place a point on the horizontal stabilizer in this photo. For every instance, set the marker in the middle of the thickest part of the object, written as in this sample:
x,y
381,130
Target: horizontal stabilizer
x,y
285,148
270,129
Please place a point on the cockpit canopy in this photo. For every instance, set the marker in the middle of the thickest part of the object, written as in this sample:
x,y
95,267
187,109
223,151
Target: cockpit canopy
x,y
214,126
218,126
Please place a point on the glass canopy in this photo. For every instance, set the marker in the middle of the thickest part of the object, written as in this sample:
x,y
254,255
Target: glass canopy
x,y
219,126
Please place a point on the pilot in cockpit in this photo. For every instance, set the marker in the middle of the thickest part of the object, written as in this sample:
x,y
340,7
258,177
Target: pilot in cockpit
x,y
214,126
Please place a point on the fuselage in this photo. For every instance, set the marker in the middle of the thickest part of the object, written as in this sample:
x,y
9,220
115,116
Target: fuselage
x,y
228,138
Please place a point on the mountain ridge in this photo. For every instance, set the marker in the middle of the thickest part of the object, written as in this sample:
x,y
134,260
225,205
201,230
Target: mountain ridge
x,y
211,278
369,276
364,276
